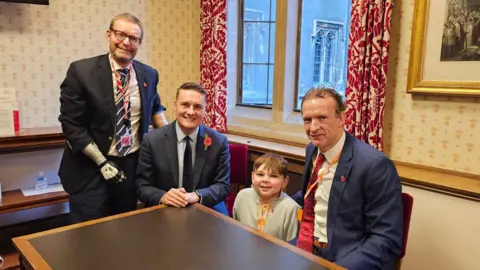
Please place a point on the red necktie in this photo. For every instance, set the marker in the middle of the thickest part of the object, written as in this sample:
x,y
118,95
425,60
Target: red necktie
x,y
307,225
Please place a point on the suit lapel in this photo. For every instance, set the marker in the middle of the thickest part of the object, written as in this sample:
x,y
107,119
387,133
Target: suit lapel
x,y
170,144
105,79
339,184
199,155
140,72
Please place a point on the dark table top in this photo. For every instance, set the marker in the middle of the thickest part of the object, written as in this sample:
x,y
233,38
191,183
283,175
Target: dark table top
x,y
166,238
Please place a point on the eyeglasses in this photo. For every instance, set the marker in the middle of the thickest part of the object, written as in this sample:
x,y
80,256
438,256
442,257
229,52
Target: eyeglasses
x,y
121,36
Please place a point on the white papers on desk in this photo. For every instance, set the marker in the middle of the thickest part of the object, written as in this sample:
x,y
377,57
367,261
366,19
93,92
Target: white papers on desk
x,y
50,188
6,119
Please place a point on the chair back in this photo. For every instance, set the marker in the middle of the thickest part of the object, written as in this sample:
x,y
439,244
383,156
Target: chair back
x,y
238,163
407,201
238,172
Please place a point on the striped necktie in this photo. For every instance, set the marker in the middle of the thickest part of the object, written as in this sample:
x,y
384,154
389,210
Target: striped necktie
x,y
123,124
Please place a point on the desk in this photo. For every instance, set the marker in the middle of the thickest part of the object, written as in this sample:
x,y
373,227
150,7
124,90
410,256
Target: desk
x,y
14,200
164,238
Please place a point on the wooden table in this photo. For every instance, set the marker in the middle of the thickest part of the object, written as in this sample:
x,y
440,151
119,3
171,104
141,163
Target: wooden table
x,y
164,238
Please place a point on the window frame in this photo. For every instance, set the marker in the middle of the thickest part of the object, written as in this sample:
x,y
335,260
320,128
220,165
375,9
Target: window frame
x,y
331,26
240,63
341,30
280,122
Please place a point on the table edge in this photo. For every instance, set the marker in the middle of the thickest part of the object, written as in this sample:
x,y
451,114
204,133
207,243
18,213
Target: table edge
x,y
90,222
31,255
271,238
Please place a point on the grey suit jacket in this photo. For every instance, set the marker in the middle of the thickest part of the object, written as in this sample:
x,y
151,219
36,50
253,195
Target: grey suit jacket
x,y
157,170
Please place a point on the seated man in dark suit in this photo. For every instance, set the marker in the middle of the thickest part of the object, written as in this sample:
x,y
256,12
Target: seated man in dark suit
x,y
351,193
185,162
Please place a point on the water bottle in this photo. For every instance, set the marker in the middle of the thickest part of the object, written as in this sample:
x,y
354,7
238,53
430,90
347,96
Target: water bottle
x,y
41,181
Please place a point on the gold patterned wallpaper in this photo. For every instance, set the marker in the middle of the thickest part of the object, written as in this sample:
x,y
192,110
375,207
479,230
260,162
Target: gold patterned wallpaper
x,y
37,43
427,130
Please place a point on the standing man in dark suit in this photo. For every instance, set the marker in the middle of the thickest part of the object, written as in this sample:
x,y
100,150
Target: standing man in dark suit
x,y
185,162
351,196
107,104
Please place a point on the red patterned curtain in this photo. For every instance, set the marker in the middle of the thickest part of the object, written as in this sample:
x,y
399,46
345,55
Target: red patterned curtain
x,y
213,61
367,69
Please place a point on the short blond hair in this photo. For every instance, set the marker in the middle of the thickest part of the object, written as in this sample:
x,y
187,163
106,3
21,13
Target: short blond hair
x,y
127,17
274,163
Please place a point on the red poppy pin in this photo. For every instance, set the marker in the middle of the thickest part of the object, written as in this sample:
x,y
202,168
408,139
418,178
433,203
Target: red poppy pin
x,y
144,84
207,141
342,178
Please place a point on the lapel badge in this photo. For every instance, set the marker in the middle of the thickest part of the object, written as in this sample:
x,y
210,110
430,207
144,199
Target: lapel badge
x,y
144,84
342,178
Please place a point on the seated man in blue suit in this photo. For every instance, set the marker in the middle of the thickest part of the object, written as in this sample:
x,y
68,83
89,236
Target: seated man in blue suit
x,y
351,195
185,162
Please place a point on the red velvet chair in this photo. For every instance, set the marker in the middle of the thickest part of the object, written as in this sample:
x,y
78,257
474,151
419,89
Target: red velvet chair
x,y
238,172
407,214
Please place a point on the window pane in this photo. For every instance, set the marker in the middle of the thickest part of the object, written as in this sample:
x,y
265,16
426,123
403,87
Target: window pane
x,y
257,10
323,45
254,84
270,84
257,52
272,42
255,42
273,11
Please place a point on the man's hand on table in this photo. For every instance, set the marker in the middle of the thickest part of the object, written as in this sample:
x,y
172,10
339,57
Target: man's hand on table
x,y
178,197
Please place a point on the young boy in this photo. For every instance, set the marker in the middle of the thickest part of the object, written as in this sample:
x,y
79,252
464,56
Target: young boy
x,y
266,207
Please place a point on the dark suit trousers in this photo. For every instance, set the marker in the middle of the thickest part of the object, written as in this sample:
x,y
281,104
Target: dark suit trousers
x,y
100,198
321,252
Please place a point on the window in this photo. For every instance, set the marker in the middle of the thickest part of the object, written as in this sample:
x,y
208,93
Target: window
x,y
257,52
323,45
301,42
325,40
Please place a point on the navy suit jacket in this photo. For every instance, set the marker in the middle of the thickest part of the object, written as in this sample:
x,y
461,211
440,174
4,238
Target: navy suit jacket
x,y
87,114
157,170
365,217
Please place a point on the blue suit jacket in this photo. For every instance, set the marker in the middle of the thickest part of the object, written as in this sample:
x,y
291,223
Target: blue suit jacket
x,y
365,217
157,169
87,114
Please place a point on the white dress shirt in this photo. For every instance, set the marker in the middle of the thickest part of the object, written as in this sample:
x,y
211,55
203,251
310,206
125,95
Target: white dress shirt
x,y
135,106
322,193
181,144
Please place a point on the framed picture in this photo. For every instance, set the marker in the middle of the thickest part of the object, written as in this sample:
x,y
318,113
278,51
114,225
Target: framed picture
x,y
445,48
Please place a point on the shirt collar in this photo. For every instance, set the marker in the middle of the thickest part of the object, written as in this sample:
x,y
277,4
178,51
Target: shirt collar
x,y
335,150
257,197
181,135
114,63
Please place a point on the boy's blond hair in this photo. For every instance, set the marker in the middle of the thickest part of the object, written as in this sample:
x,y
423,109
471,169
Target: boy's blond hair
x,y
274,163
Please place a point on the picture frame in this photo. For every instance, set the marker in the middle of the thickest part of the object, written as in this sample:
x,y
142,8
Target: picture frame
x,y
445,77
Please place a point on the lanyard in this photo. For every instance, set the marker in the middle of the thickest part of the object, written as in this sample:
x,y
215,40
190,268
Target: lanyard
x,y
126,95
321,173
262,216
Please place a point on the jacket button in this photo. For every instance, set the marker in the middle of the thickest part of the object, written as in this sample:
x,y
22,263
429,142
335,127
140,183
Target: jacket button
x,y
110,138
